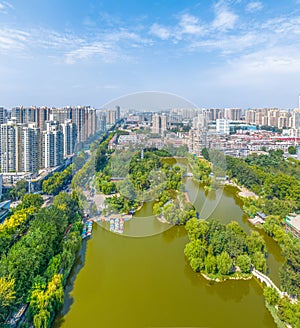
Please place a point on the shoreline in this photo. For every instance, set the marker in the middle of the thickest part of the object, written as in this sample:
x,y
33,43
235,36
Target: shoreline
x,y
226,278
243,191
162,219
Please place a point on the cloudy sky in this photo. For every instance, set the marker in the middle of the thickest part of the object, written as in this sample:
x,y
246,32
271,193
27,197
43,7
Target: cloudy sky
x,y
214,53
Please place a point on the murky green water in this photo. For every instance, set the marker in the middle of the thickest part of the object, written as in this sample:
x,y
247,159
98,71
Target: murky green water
x,y
122,281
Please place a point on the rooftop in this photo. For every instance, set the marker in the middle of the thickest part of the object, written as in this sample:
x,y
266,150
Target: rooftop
x,y
293,220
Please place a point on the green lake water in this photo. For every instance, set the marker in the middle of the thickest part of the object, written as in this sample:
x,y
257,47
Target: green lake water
x,y
142,279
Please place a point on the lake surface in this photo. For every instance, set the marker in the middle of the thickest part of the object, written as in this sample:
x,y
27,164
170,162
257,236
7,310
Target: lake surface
x,y
142,279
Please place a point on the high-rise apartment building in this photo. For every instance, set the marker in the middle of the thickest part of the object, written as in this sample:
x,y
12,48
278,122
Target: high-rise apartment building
x,y
30,148
69,131
159,123
11,146
3,115
222,126
60,114
43,115
111,116
251,116
118,112
233,114
53,145
296,119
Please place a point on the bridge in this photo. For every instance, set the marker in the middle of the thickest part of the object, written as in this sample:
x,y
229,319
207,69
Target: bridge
x,y
266,280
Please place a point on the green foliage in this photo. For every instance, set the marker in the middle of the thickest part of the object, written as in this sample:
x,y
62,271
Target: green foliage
x,y
215,247
79,160
271,295
43,257
259,261
32,200
290,271
205,153
44,302
7,296
292,150
68,204
244,263
210,264
19,190
56,182
224,263
201,169
289,312
14,226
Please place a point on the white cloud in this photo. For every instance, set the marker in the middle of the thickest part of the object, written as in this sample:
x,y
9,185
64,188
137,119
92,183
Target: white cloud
x,y
224,18
190,24
233,44
109,49
95,49
254,6
5,7
11,39
159,31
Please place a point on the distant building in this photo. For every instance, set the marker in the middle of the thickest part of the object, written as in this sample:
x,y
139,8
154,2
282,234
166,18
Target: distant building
x,y
31,148
3,115
53,145
292,224
159,123
222,126
60,114
111,116
69,131
10,139
233,114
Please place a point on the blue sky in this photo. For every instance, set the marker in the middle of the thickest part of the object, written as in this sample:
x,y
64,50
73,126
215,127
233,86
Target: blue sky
x,y
215,53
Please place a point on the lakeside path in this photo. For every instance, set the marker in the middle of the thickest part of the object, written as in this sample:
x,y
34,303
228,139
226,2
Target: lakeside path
x,y
244,192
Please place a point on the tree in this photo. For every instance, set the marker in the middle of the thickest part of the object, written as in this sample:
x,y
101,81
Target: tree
x,y
32,200
292,150
210,264
244,263
7,295
271,295
205,153
196,264
259,262
224,263
192,249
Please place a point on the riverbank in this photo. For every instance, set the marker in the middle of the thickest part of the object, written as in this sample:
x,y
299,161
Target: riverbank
x,y
243,191
225,278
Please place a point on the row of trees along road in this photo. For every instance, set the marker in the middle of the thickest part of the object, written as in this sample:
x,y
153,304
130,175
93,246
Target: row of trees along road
x,y
35,266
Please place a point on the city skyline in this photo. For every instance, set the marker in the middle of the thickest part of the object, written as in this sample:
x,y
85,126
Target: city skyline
x,y
215,54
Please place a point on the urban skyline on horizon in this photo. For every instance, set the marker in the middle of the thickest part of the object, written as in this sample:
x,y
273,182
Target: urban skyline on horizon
x,y
223,53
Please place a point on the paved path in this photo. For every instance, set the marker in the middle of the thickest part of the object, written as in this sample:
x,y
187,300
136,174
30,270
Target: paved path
x,y
265,279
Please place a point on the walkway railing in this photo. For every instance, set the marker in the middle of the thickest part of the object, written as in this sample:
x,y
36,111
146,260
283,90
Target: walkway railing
x,y
265,279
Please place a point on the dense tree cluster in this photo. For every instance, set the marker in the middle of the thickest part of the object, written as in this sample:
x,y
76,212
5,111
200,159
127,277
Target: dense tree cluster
x,y
283,310
147,177
19,190
18,221
290,271
58,181
263,174
201,169
36,265
222,250
276,181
